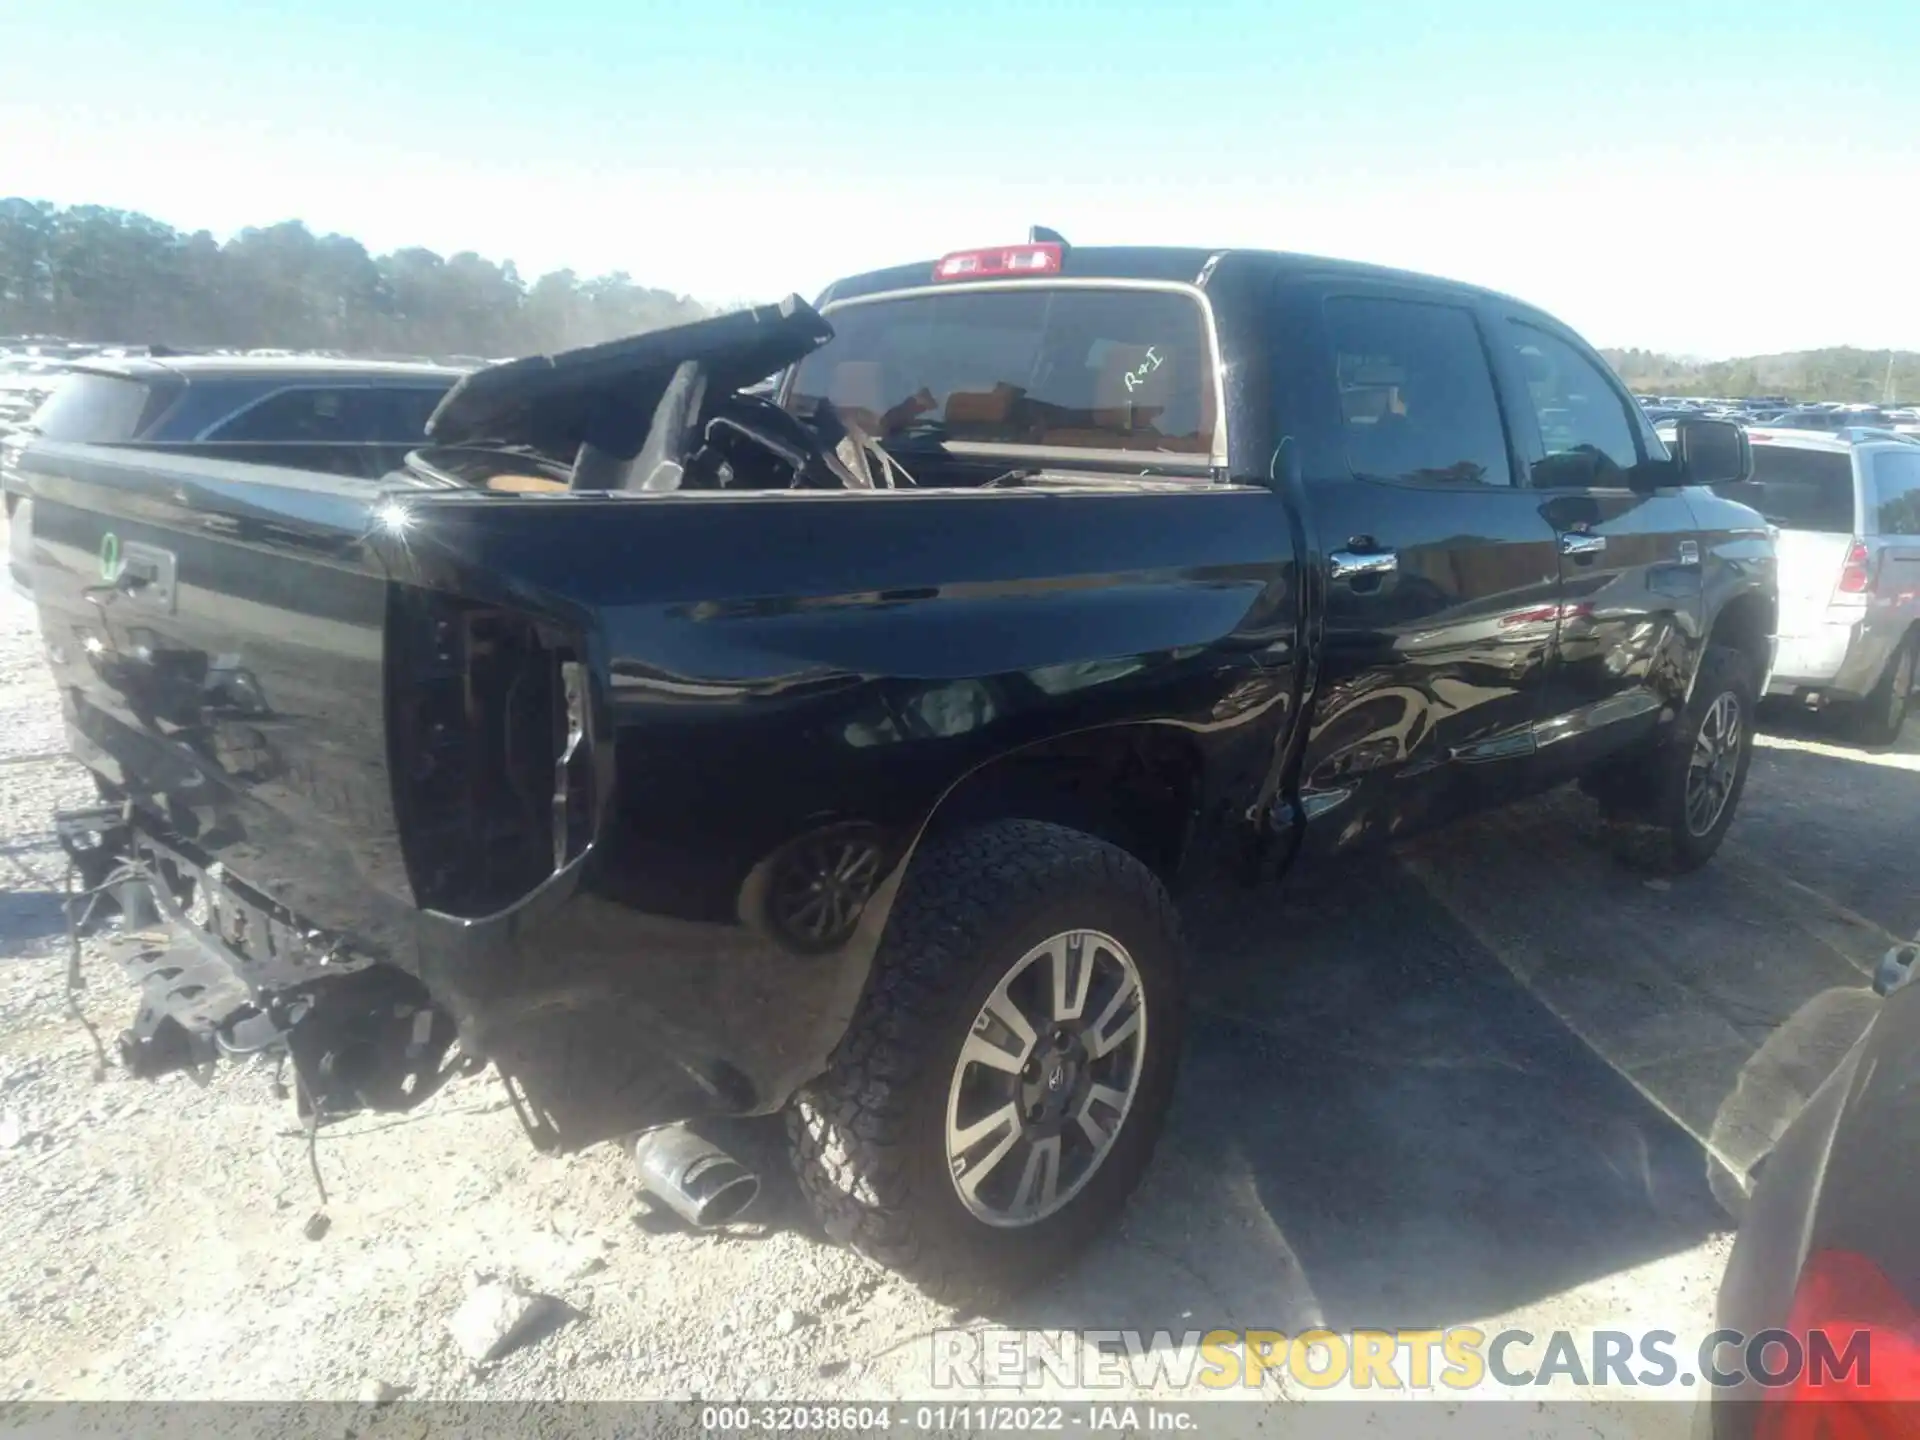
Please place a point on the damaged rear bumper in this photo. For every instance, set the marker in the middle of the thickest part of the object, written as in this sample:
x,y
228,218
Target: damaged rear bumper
x,y
604,1023
224,972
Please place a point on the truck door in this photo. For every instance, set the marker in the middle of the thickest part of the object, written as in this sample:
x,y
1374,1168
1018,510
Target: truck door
x,y
1441,579
1629,555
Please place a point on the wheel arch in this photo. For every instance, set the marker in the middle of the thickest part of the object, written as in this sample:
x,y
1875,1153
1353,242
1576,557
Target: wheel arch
x,y
1747,622
1137,786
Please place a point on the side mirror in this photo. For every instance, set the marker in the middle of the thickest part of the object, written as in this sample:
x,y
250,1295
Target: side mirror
x,y
1712,452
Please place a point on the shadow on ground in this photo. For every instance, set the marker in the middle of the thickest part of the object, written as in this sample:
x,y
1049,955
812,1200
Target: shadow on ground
x,y
1843,819
1449,1084
1831,727
27,916
1378,1124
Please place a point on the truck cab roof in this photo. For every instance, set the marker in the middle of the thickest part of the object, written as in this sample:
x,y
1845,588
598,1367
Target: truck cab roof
x,y
1166,264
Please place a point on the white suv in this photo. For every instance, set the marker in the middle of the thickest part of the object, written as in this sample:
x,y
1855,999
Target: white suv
x,y
1847,507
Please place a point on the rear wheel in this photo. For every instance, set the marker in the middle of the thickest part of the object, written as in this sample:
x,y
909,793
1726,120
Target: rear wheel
x,y
999,1093
1883,713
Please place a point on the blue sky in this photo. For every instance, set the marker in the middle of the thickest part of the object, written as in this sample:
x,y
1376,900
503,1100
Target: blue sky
x,y
1713,179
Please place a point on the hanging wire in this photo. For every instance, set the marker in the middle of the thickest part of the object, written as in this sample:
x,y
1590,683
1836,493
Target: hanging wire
x,y
78,917
312,1106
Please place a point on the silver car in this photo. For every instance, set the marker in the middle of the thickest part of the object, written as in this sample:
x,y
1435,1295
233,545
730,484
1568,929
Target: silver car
x,y
1847,507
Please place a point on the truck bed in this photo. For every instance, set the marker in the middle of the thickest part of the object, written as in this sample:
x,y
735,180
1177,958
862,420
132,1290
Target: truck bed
x,y
564,758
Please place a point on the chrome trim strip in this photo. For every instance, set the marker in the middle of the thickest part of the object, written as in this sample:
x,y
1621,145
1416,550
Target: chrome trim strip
x,y
1184,461
1629,705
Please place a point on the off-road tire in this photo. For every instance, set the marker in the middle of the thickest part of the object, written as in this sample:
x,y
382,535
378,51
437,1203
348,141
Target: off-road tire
x,y
868,1138
1883,714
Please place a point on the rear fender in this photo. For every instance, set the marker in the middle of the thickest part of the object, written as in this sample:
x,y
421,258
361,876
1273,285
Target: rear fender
x,y
788,691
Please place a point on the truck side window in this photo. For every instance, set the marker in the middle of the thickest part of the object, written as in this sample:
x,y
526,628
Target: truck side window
x,y
1416,396
1896,492
1583,421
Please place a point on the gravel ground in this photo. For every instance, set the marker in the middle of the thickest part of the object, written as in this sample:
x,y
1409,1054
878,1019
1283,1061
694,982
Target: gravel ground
x,y
1474,1084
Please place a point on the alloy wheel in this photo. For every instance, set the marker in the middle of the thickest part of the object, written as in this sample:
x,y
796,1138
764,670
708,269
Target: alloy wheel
x,y
1714,764
1046,1078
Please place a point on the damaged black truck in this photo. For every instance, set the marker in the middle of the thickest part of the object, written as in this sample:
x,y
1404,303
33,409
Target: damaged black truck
x,y
686,745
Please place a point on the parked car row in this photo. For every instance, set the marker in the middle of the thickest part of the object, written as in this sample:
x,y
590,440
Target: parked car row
x,y
1748,410
352,417
1776,410
1845,506
31,366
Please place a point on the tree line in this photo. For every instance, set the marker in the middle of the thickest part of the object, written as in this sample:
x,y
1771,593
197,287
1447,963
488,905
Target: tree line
x,y
89,273
1840,373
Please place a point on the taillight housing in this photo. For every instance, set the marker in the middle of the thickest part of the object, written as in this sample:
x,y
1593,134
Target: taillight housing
x,y
1855,578
1874,1389
490,735
1037,258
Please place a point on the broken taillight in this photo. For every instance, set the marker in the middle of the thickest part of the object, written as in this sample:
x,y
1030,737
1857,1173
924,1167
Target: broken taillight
x,y
491,739
1854,579
1035,259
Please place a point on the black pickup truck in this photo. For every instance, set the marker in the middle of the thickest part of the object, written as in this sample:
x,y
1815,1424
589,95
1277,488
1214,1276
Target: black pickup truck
x,y
689,746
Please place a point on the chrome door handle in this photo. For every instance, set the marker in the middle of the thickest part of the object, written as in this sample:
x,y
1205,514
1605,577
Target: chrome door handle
x,y
1346,564
1579,543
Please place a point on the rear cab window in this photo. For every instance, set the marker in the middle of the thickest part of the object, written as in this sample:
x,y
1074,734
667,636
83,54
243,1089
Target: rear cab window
x,y
1417,400
1085,371
1798,488
98,408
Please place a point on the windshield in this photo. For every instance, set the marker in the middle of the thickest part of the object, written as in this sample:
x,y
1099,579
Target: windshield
x,y
1799,489
1087,369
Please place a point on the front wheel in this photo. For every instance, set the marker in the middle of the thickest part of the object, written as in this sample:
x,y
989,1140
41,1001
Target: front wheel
x,y
1700,776
1000,1090
1674,803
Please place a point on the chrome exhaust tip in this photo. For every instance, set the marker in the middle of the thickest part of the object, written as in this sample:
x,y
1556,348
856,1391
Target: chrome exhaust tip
x,y
698,1180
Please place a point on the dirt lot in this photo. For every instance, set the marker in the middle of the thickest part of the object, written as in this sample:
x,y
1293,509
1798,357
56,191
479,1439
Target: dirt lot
x,y
1475,1084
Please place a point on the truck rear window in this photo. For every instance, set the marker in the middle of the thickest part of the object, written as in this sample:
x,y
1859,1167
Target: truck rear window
x,y
1799,489
93,408
1078,368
